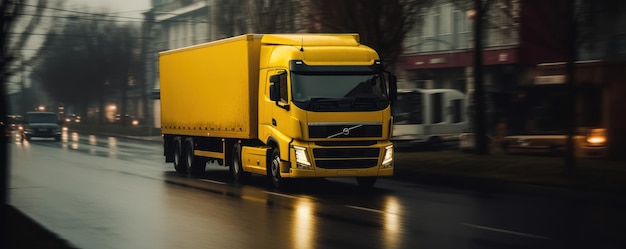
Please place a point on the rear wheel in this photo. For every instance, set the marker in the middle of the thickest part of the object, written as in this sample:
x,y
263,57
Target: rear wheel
x,y
195,165
236,168
179,160
366,182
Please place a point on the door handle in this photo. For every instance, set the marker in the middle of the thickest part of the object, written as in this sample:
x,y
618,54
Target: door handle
x,y
274,122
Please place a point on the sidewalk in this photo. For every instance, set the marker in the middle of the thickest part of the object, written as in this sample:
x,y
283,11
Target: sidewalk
x,y
591,176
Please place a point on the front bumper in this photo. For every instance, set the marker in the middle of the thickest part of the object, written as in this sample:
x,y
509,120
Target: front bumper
x,y
341,159
318,172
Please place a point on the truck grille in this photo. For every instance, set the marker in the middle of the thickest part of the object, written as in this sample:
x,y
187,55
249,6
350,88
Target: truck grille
x,y
346,153
345,158
346,164
345,130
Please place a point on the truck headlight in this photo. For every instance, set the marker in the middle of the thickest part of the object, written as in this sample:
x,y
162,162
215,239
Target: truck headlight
x,y
302,160
388,159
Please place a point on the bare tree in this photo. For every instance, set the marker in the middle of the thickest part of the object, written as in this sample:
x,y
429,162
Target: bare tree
x,y
275,16
10,10
381,24
235,17
94,58
231,17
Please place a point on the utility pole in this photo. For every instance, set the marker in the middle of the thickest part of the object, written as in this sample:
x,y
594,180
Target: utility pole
x,y
480,138
571,40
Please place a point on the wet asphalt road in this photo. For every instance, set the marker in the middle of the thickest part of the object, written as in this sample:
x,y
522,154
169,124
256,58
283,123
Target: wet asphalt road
x,y
107,192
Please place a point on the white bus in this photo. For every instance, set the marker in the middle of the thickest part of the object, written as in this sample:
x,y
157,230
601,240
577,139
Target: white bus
x,y
428,117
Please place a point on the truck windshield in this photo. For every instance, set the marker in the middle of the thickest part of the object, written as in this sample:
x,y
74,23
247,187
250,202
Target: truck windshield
x,y
339,92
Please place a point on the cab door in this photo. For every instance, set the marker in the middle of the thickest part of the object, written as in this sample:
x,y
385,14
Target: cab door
x,y
279,95
274,116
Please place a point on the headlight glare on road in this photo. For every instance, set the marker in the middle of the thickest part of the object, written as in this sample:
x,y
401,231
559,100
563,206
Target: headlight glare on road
x,y
388,159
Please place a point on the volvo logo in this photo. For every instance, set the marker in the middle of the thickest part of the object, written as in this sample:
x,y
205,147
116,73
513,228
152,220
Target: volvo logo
x,y
345,131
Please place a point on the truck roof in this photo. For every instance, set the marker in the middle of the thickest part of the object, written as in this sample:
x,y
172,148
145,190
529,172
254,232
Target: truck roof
x,y
311,39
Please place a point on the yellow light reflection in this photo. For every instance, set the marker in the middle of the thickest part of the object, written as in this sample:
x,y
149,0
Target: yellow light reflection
x,y
64,135
92,140
75,140
112,142
392,223
304,224
112,147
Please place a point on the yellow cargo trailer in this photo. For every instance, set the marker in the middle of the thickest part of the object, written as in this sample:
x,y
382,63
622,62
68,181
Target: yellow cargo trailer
x,y
281,105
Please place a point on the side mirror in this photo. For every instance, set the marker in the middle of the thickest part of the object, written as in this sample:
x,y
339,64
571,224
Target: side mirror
x,y
275,87
393,88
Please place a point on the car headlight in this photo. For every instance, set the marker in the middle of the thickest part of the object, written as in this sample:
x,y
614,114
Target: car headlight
x,y
596,137
302,160
388,158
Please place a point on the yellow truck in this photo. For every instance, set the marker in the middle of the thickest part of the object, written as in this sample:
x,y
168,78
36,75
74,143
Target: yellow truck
x,y
280,105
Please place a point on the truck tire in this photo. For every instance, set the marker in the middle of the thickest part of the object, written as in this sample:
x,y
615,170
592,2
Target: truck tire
x,y
179,159
195,165
236,169
273,171
366,182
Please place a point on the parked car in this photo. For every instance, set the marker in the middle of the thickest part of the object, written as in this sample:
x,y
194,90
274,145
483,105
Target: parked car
x,y
587,143
41,124
12,123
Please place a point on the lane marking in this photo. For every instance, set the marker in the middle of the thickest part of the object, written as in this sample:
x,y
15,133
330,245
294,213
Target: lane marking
x,y
282,195
211,181
367,209
505,231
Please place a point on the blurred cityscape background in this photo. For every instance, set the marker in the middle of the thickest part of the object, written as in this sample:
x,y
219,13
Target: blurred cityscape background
x,y
98,67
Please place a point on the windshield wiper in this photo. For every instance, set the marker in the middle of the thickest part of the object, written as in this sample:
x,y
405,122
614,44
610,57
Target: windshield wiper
x,y
314,100
368,100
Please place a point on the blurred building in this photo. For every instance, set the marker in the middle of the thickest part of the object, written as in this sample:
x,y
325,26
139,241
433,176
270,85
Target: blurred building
x,y
517,36
524,52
